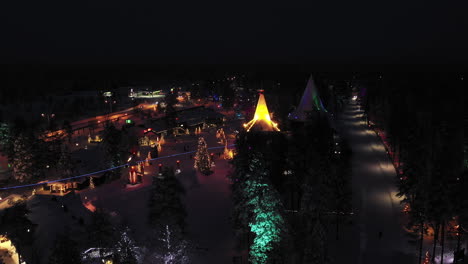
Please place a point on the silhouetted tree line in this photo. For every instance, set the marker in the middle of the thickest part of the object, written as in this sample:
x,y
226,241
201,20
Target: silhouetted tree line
x,y
422,116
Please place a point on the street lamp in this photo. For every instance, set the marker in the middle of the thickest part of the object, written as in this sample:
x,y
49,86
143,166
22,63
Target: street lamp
x,y
48,116
110,102
160,168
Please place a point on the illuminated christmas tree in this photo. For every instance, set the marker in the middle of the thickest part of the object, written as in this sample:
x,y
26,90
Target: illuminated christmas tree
x,y
221,136
427,258
228,153
91,183
202,158
25,162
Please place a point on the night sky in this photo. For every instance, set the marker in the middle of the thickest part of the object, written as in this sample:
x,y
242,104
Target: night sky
x,y
229,32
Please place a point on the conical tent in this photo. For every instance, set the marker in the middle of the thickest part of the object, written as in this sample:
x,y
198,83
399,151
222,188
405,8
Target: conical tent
x,y
310,102
261,120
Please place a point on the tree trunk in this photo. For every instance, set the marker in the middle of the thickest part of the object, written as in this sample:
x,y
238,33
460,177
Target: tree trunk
x,y
421,244
458,237
19,256
291,202
337,225
442,242
436,236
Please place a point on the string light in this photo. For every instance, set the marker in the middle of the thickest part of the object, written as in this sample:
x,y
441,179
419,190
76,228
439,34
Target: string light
x,y
96,172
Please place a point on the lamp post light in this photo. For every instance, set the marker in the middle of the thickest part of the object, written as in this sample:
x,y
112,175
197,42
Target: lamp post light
x,y
48,116
178,167
459,253
160,168
110,101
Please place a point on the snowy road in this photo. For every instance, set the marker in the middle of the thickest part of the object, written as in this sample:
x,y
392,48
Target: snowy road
x,y
377,209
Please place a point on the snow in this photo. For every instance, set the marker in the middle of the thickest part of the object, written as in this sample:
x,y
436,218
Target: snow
x,y
7,252
207,199
52,219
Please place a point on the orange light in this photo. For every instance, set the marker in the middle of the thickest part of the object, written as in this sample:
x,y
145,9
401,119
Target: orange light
x,y
262,115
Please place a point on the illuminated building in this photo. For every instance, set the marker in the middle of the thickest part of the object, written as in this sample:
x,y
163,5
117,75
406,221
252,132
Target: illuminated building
x,y
310,102
261,120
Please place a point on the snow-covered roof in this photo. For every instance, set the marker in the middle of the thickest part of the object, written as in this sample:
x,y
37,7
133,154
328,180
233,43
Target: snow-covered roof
x,y
310,102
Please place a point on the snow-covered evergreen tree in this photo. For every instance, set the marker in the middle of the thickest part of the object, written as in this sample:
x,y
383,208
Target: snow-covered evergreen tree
x,y
24,162
126,249
257,207
6,140
202,158
112,143
171,248
65,251
315,244
65,164
267,222
165,204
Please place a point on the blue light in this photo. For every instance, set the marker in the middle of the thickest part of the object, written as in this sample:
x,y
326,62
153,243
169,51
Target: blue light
x,y
96,172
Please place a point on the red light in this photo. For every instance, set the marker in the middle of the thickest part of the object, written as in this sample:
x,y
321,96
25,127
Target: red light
x,y
149,129
176,118
160,165
144,131
178,161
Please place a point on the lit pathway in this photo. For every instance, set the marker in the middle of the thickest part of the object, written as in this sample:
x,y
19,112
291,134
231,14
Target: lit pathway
x,y
377,209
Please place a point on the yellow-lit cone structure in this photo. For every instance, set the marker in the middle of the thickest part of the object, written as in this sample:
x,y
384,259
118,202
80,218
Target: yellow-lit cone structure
x,y
261,120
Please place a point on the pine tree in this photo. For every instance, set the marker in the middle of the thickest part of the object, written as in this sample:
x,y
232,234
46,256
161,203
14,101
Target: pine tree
x,y
125,248
68,129
16,225
202,158
65,163
171,247
171,114
165,204
101,232
6,138
257,207
315,247
65,251
24,160
111,142
267,222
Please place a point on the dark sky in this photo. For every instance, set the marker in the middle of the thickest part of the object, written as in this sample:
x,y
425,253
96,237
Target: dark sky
x,y
229,32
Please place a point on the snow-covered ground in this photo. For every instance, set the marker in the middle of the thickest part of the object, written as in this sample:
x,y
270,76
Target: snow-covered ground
x,y
376,207
57,215
7,252
207,199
